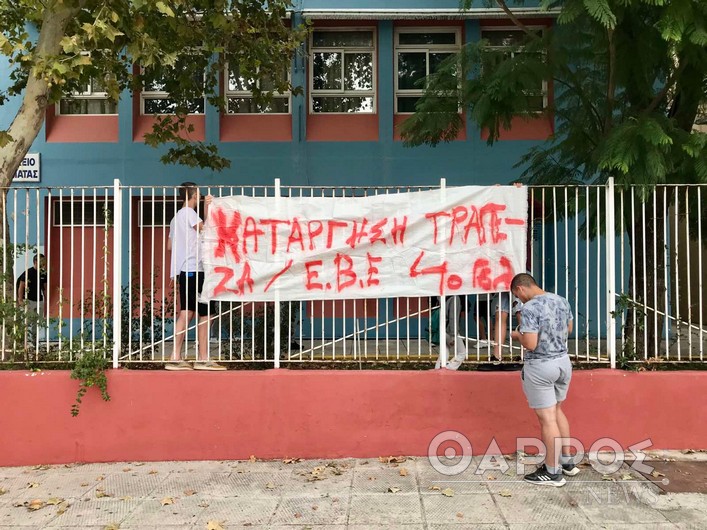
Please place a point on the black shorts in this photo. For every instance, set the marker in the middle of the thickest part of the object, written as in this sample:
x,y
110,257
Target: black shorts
x,y
190,285
481,307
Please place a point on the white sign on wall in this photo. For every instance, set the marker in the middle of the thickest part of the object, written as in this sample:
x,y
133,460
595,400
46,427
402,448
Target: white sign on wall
x,y
457,241
29,170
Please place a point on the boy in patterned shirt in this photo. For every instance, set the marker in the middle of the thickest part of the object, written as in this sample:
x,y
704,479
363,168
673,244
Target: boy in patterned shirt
x,y
546,322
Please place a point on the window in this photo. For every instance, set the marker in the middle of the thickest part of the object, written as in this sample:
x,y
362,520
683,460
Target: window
x,y
239,93
158,211
341,66
155,98
509,42
86,212
92,100
418,54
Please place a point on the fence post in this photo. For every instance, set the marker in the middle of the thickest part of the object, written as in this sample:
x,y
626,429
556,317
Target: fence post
x,y
277,317
117,268
611,271
442,299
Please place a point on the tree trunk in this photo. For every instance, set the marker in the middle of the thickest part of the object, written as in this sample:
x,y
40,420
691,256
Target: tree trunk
x,y
23,130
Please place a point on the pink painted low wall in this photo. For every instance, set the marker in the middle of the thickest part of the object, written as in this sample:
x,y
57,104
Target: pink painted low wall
x,y
277,413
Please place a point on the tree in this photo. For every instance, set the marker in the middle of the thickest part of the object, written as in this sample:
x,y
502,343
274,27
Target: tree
x,y
56,47
630,77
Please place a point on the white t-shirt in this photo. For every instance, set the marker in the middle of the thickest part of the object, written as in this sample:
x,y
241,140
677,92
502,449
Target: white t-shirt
x,y
184,237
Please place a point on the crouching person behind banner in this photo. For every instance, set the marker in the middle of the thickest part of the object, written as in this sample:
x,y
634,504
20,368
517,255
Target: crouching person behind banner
x,y
187,268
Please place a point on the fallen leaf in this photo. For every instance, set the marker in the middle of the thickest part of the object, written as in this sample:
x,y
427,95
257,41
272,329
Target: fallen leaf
x,y
392,459
189,493
100,477
62,508
18,504
166,501
298,515
138,464
505,493
291,460
626,476
449,492
393,489
403,472
32,485
126,469
460,515
214,525
203,504
490,477
126,498
688,451
434,488
113,526
270,486
152,472
36,504
84,484
55,501
252,459
3,491
100,494
573,503
41,467
657,474
607,477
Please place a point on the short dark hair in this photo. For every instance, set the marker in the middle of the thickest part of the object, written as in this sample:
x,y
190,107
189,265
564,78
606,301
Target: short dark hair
x,y
187,191
523,279
37,256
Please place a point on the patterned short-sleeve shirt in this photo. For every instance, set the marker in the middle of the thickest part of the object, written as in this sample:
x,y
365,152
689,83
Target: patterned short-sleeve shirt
x,y
548,315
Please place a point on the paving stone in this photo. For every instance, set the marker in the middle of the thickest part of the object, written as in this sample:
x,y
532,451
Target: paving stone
x,y
392,508
379,480
474,509
151,512
20,516
302,483
466,526
202,483
601,513
56,485
540,507
686,508
96,511
255,484
133,484
310,510
237,512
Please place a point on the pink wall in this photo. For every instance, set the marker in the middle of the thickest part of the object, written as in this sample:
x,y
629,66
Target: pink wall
x,y
155,415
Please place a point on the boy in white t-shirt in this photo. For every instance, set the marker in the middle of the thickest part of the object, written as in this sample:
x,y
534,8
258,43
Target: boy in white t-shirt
x,y
187,268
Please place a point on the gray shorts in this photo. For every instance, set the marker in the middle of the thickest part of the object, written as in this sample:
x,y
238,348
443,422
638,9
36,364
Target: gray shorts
x,y
545,383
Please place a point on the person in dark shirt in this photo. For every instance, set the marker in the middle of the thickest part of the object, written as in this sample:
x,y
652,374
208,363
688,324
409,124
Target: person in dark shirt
x,y
32,290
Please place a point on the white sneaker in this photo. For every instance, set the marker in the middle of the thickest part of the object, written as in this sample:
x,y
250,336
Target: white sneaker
x,y
460,354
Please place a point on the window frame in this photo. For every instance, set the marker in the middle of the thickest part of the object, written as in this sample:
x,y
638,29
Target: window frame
x,y
373,50
89,95
245,94
420,48
161,95
545,84
87,206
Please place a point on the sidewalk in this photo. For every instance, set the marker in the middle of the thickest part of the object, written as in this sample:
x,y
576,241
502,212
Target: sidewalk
x,y
359,494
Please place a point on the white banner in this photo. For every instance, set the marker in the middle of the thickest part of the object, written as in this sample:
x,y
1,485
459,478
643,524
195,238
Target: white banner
x,y
461,240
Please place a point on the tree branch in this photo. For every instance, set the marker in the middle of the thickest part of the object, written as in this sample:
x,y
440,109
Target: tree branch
x,y
664,92
516,21
611,84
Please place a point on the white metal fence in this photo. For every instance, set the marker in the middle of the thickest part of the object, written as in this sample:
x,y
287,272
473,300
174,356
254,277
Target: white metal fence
x,y
628,259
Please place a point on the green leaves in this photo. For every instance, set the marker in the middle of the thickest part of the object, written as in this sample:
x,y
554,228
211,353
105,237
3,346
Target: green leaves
x,y
164,9
601,12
